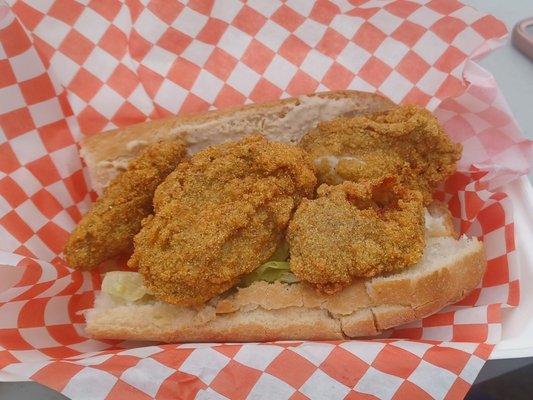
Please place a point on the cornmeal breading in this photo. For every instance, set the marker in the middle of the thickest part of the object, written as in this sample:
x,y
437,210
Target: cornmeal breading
x,y
356,230
407,142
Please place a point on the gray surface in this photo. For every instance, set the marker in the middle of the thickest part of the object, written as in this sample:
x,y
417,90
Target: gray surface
x,y
496,368
28,391
513,70
514,73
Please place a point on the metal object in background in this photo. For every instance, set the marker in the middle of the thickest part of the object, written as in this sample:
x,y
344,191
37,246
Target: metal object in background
x,y
522,38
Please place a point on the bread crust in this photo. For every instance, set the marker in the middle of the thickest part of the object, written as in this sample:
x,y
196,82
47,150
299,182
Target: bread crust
x,y
254,326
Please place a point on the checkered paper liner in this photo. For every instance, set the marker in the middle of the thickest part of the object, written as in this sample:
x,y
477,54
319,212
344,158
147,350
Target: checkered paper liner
x,y
68,68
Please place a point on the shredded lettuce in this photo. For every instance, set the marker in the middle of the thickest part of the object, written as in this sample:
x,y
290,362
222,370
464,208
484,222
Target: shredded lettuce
x,y
124,285
128,286
275,269
270,271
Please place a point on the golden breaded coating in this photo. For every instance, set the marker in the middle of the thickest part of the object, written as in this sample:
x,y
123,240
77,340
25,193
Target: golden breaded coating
x,y
218,216
407,142
355,230
107,230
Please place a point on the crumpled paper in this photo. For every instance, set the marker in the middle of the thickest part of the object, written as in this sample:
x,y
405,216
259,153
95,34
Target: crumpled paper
x,y
68,69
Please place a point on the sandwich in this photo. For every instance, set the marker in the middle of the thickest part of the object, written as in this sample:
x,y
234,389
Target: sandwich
x,y
303,219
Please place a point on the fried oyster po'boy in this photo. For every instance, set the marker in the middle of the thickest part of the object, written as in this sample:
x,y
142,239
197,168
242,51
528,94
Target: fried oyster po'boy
x,y
277,237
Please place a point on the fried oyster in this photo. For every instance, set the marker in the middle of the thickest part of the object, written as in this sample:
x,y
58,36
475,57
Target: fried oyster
x,y
356,230
219,216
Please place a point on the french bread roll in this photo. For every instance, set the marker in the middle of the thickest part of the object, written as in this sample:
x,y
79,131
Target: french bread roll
x,y
451,267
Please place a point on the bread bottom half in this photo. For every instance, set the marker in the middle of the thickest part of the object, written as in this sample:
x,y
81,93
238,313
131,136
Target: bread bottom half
x,y
449,270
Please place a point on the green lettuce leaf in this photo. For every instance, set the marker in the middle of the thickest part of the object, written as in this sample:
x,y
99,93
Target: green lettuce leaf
x,y
270,271
124,285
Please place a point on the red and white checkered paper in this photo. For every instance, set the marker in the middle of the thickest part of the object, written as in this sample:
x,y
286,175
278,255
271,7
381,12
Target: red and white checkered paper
x,y
68,69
